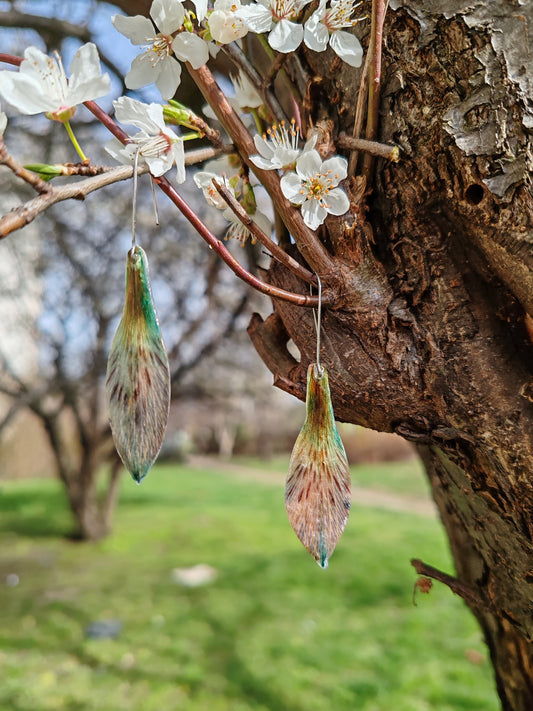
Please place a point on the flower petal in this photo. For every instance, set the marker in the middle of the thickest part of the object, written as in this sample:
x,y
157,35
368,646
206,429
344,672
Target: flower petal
x,y
338,202
86,79
291,187
338,167
137,29
141,72
286,36
146,117
121,153
309,164
257,17
167,15
22,93
201,9
316,35
190,48
347,46
261,162
38,86
178,156
169,77
313,213
263,147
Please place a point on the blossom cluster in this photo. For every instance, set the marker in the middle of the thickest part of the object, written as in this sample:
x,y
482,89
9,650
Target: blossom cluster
x,y
175,33
308,180
171,34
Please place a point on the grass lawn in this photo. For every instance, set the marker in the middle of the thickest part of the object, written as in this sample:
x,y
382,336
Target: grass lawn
x,y
273,632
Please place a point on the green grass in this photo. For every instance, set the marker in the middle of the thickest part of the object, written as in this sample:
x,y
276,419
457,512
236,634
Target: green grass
x,y
273,633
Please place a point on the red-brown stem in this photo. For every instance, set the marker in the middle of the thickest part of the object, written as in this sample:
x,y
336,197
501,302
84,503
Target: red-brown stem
x,y
226,255
189,214
199,226
10,59
276,251
379,8
309,246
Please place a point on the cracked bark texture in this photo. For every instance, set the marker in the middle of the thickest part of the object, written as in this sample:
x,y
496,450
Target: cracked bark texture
x,y
433,338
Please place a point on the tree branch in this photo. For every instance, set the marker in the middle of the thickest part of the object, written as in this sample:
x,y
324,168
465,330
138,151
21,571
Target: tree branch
x,y
379,8
276,251
204,232
383,150
31,178
310,247
21,216
465,591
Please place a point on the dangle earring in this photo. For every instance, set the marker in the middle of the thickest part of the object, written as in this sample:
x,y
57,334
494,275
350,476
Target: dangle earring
x,y
317,492
138,375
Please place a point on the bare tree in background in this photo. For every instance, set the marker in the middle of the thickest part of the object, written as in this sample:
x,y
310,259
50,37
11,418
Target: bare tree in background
x,y
79,266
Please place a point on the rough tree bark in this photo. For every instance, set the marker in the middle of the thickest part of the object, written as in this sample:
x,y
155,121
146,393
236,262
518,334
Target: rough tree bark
x,y
434,337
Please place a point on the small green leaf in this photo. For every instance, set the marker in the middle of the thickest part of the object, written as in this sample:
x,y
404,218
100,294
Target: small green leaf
x,y
138,376
44,171
317,492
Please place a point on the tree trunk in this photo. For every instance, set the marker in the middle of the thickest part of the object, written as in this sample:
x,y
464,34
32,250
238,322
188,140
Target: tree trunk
x,y
78,473
433,339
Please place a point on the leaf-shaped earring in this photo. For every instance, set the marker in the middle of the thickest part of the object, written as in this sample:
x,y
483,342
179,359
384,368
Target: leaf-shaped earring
x,y
317,492
138,376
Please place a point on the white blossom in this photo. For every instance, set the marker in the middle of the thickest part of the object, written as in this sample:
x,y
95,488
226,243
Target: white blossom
x,y
277,18
239,232
224,25
278,148
314,187
156,65
41,84
157,144
204,180
326,26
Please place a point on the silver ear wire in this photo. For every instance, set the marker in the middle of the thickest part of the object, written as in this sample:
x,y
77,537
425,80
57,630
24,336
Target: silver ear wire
x,y
134,201
317,317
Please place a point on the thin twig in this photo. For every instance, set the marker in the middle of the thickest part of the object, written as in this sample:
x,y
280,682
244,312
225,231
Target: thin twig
x,y
379,8
309,245
23,215
359,114
383,150
32,179
225,254
200,155
276,251
465,591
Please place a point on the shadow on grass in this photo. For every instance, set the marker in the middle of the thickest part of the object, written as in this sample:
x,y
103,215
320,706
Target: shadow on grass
x,y
42,514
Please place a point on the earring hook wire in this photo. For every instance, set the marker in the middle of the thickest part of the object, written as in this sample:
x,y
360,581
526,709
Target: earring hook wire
x,y
134,200
317,317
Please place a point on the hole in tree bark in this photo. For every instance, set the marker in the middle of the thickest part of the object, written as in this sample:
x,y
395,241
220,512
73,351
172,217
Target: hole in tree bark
x,y
474,194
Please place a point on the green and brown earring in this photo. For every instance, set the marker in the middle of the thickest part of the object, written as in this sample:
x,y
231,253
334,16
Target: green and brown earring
x,y
138,375
317,492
